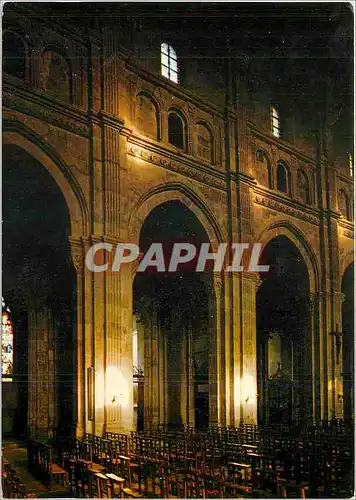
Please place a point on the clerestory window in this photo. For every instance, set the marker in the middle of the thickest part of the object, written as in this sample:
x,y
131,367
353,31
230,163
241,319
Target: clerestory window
x,y
169,65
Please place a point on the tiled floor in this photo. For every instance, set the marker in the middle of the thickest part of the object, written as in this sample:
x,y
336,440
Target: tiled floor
x,y
16,454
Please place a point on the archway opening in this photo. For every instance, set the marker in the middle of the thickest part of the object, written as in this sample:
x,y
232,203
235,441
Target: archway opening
x,y
173,315
347,288
39,288
284,349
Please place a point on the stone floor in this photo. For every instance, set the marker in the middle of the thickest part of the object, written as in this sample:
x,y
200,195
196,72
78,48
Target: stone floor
x,y
16,454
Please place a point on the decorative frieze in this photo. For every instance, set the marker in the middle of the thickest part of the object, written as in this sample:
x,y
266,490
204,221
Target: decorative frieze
x,y
193,172
280,207
56,115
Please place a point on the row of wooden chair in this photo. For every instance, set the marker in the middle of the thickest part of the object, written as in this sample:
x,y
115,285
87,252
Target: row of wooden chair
x,y
217,462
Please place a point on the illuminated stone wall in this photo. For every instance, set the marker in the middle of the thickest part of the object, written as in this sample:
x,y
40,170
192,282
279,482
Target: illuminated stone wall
x,y
89,133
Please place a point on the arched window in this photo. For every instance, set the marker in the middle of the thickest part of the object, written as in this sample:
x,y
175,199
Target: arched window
x,y
282,177
169,66
303,187
147,117
56,75
263,169
344,204
205,143
14,55
7,344
275,122
176,130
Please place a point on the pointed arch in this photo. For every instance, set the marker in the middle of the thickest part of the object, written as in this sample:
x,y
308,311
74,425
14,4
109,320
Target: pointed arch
x,y
175,192
287,229
205,141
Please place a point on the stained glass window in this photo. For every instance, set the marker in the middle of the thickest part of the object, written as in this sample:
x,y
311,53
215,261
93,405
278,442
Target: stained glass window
x,y
7,344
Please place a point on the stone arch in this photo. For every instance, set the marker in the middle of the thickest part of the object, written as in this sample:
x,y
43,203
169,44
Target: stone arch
x,y
17,134
174,192
147,125
284,228
61,82
345,263
283,177
344,204
262,156
179,138
303,186
205,151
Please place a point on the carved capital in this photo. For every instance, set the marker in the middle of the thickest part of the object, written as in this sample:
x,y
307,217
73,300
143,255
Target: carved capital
x,y
77,249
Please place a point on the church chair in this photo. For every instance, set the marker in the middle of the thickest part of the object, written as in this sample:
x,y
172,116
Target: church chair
x,y
213,487
193,486
237,480
59,474
117,485
128,493
128,470
101,486
82,481
291,489
173,483
265,483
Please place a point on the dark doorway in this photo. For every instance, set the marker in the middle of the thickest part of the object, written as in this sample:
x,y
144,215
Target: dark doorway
x,y
38,276
284,363
174,310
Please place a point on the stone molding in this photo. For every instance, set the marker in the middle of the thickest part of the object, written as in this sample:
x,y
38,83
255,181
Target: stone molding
x,y
285,209
346,227
194,171
56,113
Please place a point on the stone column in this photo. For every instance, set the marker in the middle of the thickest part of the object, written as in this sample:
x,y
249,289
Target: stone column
x,y
116,392
313,358
121,338
217,393
174,388
334,355
152,372
248,391
41,372
146,325
187,400
78,262
162,370
338,339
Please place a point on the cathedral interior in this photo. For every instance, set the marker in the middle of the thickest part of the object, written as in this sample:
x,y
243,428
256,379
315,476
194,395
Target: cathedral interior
x,y
197,124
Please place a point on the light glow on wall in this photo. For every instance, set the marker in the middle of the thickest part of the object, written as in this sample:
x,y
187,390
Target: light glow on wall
x,y
117,389
248,390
